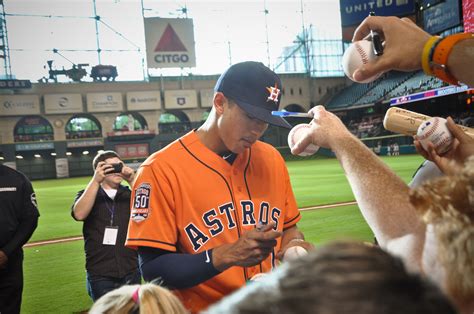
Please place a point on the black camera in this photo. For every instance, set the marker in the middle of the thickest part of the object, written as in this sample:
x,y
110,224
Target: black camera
x,y
116,168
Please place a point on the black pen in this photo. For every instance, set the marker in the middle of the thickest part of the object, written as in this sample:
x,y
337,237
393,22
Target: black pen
x,y
376,41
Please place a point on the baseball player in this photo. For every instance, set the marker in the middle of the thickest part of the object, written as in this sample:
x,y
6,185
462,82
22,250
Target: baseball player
x,y
215,208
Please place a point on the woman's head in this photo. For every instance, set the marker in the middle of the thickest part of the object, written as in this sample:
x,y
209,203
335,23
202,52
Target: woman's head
x,y
146,298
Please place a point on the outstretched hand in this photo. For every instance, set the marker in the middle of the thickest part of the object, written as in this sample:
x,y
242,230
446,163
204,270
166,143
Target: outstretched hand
x,y
462,148
403,43
326,130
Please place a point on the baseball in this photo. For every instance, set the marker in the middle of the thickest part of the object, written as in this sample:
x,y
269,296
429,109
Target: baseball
x,y
435,130
259,277
296,133
294,252
355,56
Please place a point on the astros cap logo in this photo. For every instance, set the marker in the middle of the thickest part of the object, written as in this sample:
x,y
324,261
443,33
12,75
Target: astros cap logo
x,y
274,93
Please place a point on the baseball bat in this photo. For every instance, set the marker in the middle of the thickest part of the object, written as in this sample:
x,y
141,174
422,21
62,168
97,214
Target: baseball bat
x,y
406,122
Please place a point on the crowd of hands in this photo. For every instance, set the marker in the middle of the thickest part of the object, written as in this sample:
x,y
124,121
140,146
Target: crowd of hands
x,y
328,131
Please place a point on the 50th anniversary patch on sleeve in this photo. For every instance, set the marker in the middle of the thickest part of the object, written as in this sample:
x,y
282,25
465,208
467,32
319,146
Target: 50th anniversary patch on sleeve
x,y
141,202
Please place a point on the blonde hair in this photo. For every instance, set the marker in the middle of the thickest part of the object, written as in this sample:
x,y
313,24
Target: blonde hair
x,y
151,299
448,204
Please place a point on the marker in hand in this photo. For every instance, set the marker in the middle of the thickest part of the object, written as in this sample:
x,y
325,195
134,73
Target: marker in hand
x,y
376,41
260,226
285,114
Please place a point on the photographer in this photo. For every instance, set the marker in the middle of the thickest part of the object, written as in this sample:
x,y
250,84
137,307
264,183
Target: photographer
x,y
104,206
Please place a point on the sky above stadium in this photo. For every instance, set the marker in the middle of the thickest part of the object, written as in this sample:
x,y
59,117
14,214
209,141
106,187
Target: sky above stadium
x,y
225,32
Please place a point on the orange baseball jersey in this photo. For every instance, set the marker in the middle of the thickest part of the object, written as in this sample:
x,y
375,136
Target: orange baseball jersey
x,y
188,199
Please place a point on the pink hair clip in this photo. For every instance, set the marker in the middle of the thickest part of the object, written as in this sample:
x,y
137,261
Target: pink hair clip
x,y
135,297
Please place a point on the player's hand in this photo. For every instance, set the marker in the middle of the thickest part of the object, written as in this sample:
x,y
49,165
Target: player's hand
x,y
295,242
452,160
101,171
128,174
3,260
251,249
326,130
403,45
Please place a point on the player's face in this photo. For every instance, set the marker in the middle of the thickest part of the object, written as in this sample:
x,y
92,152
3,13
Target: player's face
x,y
113,178
238,130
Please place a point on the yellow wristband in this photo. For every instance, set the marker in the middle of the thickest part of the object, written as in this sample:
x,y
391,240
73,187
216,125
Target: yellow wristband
x,y
425,56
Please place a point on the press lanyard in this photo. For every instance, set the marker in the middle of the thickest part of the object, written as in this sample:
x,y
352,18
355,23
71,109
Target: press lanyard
x,y
110,209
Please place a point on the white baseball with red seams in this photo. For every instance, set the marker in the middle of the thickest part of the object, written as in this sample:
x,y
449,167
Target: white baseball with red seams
x,y
435,130
355,56
296,133
294,252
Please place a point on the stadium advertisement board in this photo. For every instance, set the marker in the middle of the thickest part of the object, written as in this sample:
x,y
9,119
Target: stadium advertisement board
x,y
441,16
84,143
15,84
207,96
132,150
444,91
146,100
34,146
19,105
104,102
62,168
180,99
62,103
169,43
355,11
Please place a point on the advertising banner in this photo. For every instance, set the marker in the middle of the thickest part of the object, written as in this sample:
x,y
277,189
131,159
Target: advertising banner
x,y
180,99
169,43
104,102
19,105
441,16
15,84
146,100
62,168
85,143
34,146
355,11
63,103
132,150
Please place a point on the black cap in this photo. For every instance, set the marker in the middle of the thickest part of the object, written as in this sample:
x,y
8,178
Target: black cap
x,y
255,88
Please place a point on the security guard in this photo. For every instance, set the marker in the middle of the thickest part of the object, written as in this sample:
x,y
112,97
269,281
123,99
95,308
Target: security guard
x,y
18,219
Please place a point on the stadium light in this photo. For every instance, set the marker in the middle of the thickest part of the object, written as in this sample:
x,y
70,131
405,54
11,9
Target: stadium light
x,y
37,156
19,156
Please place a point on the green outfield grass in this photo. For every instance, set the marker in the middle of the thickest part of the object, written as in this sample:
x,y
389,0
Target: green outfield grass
x,y
55,275
55,279
315,182
322,181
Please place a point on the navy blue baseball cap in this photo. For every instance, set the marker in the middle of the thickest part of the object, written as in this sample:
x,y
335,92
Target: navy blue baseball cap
x,y
255,88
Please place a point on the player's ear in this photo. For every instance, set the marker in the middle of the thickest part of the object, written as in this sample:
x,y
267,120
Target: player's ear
x,y
219,101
